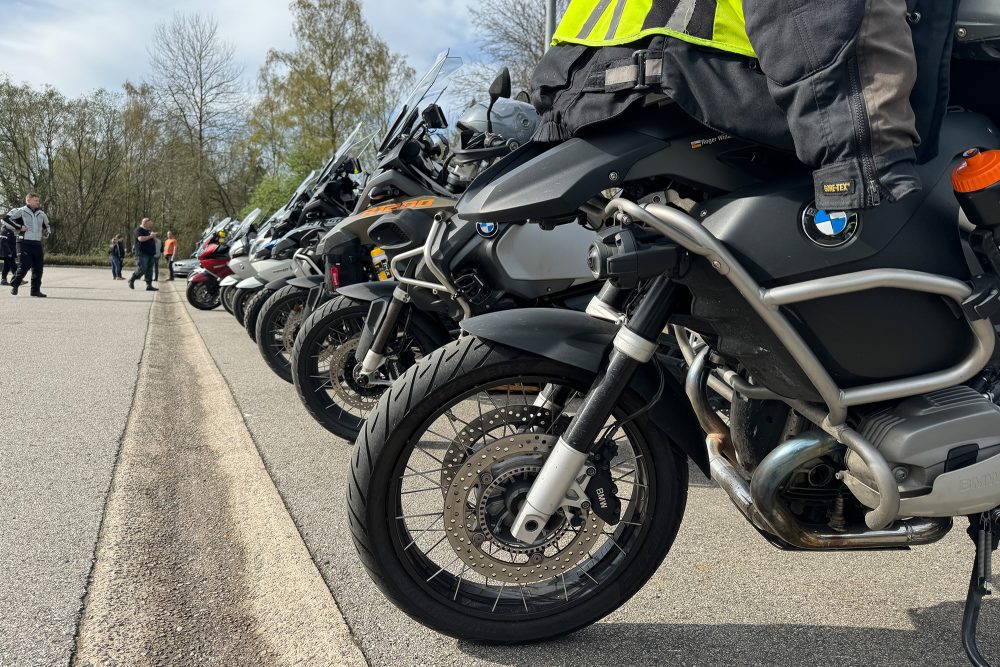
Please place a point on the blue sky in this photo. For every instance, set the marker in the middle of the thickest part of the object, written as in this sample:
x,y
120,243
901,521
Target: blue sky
x,y
81,45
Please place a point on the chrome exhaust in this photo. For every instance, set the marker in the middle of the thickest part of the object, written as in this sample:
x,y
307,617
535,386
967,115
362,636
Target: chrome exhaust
x,y
791,455
758,499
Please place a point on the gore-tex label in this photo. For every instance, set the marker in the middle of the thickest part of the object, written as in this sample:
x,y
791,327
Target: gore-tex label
x,y
840,188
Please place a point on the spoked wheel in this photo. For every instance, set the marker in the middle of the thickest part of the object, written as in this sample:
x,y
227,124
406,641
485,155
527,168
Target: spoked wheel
x,y
252,311
444,463
226,297
277,325
203,295
324,367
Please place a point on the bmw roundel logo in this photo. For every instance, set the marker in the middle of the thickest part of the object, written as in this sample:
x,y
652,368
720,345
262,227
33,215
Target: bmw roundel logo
x,y
487,229
830,229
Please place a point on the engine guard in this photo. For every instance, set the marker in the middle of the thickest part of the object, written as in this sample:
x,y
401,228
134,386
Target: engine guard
x,y
584,342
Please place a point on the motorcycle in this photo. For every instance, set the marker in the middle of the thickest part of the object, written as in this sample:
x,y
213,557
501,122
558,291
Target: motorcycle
x,y
527,479
213,255
447,268
331,198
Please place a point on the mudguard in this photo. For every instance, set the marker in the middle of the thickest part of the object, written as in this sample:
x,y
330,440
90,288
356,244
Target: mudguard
x,y
370,291
584,342
230,281
276,285
250,283
306,282
201,276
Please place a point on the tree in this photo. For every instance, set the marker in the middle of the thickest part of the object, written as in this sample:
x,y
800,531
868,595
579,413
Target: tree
x,y
510,33
198,86
339,73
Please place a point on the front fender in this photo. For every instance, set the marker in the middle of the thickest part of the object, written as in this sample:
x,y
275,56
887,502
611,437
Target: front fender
x,y
579,340
276,285
306,282
250,283
370,291
201,276
229,281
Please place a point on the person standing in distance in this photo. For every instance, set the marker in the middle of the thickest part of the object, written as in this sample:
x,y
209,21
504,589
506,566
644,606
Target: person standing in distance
x,y
34,227
170,251
145,255
8,249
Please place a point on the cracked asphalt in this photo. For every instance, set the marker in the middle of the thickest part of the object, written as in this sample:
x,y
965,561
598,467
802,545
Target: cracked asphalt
x,y
221,533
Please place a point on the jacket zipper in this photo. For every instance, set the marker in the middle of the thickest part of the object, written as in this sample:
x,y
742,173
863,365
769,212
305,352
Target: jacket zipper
x,y
862,132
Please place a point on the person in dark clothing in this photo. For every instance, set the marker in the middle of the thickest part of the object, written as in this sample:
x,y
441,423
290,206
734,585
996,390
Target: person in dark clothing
x,y
116,255
34,228
8,249
145,255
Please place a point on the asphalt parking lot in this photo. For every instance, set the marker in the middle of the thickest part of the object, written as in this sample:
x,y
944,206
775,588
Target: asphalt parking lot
x,y
722,597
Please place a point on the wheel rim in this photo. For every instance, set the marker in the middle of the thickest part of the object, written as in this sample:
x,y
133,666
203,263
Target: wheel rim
x,y
447,478
204,295
284,322
333,367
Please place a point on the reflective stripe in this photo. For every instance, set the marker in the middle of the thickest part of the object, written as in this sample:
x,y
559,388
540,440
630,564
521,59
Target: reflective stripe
x,y
594,17
617,76
681,17
616,19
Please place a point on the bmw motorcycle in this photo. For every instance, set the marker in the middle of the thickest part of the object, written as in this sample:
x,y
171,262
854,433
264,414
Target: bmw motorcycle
x,y
447,268
203,284
527,479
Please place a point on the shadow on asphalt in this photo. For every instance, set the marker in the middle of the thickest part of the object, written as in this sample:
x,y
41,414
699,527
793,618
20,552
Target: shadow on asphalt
x,y
935,640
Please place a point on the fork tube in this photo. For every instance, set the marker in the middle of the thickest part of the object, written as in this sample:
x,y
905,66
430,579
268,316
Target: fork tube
x,y
634,346
400,298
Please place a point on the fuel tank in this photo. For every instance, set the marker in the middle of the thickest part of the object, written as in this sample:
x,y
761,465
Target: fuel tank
x,y
780,238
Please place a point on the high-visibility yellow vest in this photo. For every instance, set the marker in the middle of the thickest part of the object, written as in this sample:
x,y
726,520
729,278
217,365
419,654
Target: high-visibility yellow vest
x,y
714,23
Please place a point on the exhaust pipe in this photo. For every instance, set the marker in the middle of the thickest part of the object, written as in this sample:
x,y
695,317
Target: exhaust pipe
x,y
758,500
791,455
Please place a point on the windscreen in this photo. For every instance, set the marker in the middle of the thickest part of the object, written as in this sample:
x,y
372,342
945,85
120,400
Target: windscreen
x,y
429,86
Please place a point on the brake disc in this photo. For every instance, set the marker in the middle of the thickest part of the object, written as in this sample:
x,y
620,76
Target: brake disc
x,y
291,328
477,511
514,417
342,382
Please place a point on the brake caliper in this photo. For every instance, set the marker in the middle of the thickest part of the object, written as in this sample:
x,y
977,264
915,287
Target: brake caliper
x,y
601,489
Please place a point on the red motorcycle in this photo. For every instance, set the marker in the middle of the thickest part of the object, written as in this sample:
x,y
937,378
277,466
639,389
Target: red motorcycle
x,y
203,284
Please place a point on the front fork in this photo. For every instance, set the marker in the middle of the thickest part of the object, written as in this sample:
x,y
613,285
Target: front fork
x,y
375,356
634,345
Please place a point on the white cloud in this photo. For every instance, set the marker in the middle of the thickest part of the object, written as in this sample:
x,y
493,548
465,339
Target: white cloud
x,y
80,46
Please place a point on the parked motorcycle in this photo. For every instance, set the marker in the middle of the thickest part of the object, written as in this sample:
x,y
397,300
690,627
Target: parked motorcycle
x,y
447,268
213,256
527,479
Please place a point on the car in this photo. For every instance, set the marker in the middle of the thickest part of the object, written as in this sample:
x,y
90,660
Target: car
x,y
184,267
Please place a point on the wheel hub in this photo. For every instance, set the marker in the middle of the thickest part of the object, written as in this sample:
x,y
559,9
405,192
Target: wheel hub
x,y
342,380
291,328
482,501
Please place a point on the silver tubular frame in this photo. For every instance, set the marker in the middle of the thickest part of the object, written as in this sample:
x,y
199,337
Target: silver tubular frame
x,y
691,235
437,230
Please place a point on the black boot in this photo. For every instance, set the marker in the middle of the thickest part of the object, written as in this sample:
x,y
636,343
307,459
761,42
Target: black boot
x,y
131,283
39,294
13,290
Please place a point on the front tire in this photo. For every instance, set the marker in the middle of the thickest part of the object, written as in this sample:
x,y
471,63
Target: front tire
x,y
252,310
203,295
455,402
277,326
240,300
323,365
226,298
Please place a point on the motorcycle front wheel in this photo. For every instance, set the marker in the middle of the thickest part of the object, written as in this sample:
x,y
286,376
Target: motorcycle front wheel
x,y
203,295
252,310
226,298
277,325
324,365
240,300
443,464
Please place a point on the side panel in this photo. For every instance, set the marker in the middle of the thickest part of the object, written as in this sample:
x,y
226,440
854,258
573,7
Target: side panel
x,y
583,341
528,252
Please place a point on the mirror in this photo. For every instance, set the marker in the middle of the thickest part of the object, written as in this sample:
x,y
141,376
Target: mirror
x,y
500,86
434,118
498,89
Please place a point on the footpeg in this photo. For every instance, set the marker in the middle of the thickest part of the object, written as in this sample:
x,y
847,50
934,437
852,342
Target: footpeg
x,y
983,534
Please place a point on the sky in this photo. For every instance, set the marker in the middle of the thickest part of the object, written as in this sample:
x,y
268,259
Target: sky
x,y
81,45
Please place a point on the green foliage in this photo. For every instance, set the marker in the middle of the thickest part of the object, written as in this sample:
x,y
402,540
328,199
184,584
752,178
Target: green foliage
x,y
271,193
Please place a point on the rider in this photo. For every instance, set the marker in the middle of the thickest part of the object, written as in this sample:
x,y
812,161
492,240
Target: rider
x,y
857,87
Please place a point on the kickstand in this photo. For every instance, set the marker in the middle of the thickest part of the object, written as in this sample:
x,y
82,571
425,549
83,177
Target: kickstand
x,y
986,540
